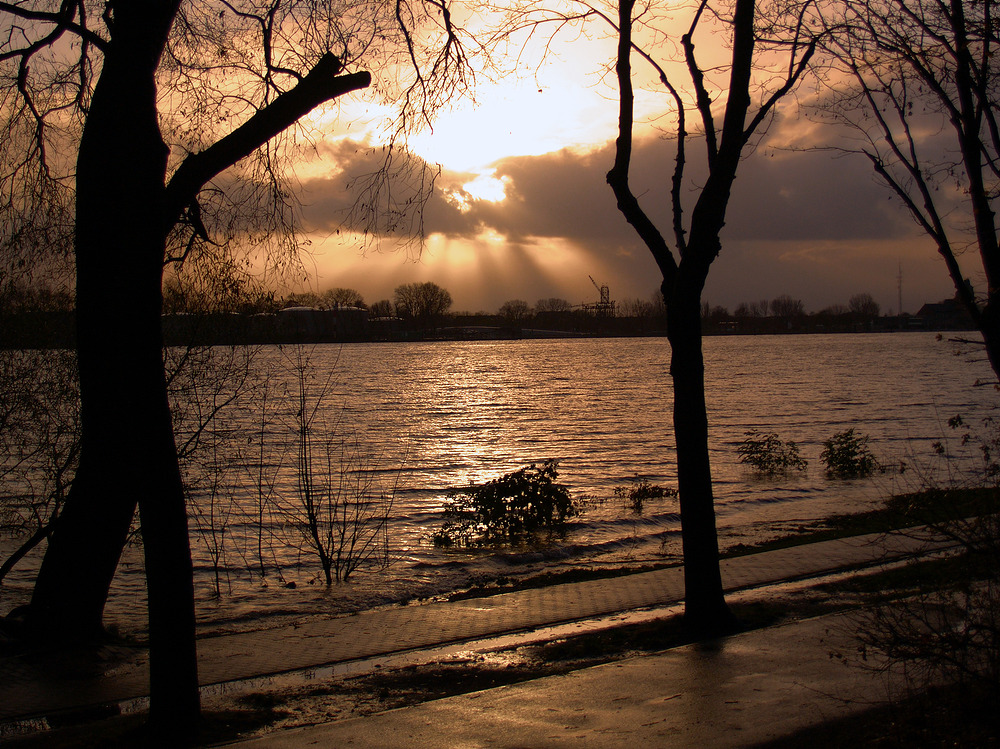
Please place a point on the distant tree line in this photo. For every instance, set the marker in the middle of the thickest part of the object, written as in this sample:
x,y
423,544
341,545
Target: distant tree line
x,y
785,313
423,302
426,308
23,298
36,316
784,306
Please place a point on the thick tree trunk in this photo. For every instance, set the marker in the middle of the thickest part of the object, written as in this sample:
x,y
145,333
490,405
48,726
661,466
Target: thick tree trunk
x,y
989,326
119,247
128,455
705,609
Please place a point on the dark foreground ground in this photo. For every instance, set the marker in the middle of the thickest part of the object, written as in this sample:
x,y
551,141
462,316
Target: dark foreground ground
x,y
950,716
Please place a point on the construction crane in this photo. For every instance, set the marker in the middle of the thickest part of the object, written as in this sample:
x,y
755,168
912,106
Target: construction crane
x,y
604,291
605,307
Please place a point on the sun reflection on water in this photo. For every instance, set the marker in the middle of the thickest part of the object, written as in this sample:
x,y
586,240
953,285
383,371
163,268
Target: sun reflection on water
x,y
442,415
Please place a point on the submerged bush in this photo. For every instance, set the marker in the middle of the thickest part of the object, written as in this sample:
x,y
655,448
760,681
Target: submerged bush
x,y
847,456
506,509
768,454
639,490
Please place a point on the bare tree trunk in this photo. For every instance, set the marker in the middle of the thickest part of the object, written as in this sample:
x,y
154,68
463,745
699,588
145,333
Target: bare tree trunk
x,y
969,129
989,326
705,609
128,455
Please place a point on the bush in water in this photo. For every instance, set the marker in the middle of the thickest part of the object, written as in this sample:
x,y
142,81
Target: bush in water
x,y
847,456
639,490
509,508
769,455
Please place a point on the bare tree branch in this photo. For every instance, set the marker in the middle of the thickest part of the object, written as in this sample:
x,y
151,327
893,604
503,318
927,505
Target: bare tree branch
x,y
919,67
618,177
321,84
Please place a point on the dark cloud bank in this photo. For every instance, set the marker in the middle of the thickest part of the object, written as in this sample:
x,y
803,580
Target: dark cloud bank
x,y
806,224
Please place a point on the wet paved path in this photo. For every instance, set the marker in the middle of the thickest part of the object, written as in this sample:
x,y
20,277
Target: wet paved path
x,y
732,693
29,688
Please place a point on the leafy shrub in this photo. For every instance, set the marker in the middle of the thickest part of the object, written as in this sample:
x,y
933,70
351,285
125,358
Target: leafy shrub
x,y
767,454
506,509
847,456
639,490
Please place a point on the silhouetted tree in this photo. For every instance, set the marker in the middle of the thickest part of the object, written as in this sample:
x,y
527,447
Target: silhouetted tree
x,y
339,297
714,313
382,308
636,308
752,309
835,310
40,297
422,303
116,118
923,106
864,305
328,299
658,307
699,244
515,311
783,28
217,291
553,304
787,308
301,299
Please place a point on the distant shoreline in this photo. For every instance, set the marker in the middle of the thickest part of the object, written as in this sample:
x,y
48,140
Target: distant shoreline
x,y
35,330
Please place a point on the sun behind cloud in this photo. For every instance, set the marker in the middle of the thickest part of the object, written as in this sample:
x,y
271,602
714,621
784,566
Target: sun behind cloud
x,y
517,118
487,186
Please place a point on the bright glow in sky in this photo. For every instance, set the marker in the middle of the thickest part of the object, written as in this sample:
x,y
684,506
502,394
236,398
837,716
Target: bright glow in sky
x,y
825,258
517,119
487,186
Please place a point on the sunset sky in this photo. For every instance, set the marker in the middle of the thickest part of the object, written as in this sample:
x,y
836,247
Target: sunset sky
x,y
522,209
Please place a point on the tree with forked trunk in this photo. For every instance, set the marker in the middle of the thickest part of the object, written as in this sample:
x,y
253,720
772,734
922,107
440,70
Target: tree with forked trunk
x,y
119,118
757,30
769,47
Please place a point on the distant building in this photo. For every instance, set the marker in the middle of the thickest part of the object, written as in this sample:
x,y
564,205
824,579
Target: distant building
x,y
309,324
290,325
949,314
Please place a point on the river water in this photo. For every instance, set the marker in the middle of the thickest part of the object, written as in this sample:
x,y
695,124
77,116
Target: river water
x,y
419,418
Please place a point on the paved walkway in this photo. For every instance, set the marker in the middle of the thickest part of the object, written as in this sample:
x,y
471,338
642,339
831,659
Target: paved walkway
x,y
736,692
29,687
